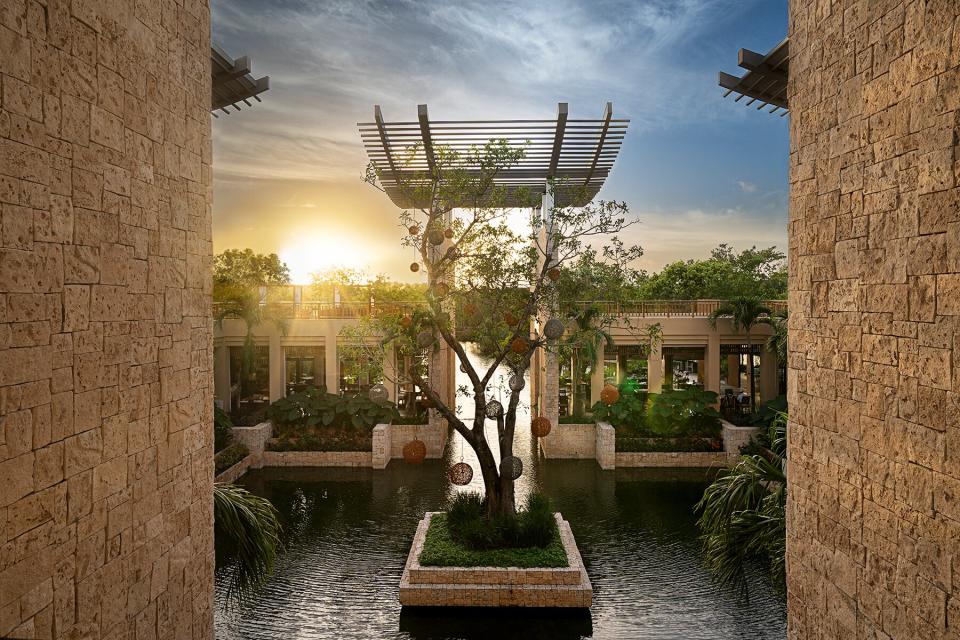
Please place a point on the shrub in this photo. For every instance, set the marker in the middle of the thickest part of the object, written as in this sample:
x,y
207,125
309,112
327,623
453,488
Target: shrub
x,y
299,413
222,429
684,413
533,526
229,457
630,409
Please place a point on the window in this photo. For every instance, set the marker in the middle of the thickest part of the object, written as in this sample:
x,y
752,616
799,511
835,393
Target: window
x,y
355,374
249,380
305,367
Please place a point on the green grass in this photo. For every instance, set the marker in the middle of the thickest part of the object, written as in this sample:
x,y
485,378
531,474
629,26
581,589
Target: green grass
x,y
440,550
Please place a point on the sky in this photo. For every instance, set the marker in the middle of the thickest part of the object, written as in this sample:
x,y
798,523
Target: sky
x,y
695,169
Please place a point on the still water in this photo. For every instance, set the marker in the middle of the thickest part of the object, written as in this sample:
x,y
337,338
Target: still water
x,y
349,532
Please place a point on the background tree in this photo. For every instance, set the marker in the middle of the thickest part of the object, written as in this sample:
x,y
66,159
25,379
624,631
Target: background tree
x,y
744,312
725,275
501,278
587,336
246,268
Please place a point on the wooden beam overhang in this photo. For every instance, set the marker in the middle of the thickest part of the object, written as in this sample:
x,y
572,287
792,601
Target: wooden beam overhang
x,y
765,80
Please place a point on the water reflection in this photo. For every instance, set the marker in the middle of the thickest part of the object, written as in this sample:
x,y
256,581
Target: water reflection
x,y
349,532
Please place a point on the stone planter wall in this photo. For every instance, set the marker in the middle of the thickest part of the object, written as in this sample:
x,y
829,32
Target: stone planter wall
x,y
606,445
231,474
672,459
317,459
735,437
570,441
433,435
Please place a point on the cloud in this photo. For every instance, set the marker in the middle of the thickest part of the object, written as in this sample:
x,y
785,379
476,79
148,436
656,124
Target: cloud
x,y
747,187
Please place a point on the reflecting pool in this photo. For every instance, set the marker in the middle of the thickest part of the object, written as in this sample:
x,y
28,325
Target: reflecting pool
x,y
349,531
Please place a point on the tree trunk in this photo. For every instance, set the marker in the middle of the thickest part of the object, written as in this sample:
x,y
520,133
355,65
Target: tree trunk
x,y
498,490
753,390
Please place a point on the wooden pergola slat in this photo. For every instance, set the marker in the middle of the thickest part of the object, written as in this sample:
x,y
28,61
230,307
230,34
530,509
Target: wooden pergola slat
x,y
765,80
578,153
231,81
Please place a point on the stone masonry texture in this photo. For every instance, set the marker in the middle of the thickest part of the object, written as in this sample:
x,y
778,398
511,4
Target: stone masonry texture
x,y
106,460
874,385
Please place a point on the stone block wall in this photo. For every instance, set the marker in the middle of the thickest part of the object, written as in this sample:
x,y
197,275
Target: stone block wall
x,y
874,393
106,456
575,441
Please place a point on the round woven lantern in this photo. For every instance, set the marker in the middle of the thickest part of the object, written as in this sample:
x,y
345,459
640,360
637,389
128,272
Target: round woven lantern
x,y
540,427
453,253
609,395
448,233
511,466
516,382
435,237
378,393
460,474
441,289
424,339
414,452
509,318
554,274
470,309
494,409
519,345
553,329
414,230
414,266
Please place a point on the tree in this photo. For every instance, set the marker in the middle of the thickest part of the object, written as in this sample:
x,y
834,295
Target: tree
x,y
245,268
743,514
744,312
247,529
504,280
777,342
584,344
726,274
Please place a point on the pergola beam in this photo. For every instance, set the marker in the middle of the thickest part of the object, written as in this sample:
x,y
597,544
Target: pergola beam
x,y
384,140
765,80
607,116
427,139
558,139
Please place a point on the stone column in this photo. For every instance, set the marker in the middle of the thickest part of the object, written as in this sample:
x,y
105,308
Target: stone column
x,y
331,358
221,371
596,377
655,369
277,366
711,377
767,384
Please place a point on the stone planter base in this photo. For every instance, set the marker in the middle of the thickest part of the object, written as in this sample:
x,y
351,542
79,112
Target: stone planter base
x,y
495,586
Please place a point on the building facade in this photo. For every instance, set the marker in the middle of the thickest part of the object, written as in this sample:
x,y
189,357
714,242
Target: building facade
x,y
106,453
874,453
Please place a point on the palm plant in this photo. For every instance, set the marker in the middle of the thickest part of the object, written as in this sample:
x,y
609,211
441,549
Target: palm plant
x,y
586,342
247,529
743,515
777,342
744,312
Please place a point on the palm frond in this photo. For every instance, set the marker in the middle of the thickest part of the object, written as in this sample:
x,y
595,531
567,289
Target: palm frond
x,y
248,529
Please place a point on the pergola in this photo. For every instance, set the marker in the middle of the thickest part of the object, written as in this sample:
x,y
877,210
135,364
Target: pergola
x,y
232,81
575,155
766,78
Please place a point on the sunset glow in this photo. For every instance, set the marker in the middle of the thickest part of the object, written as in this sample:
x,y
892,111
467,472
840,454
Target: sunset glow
x,y
306,255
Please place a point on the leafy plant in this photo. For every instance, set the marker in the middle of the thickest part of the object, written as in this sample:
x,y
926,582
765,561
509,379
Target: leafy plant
x,y
313,407
247,529
743,515
230,456
685,412
630,409
222,429
468,524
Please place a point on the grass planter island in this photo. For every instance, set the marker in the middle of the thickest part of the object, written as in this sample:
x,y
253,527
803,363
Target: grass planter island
x,y
443,570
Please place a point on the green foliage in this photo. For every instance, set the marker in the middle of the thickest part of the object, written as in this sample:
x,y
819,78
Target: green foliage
x,y
230,456
685,412
629,411
247,269
726,274
688,444
440,549
314,407
222,429
247,530
580,418
743,515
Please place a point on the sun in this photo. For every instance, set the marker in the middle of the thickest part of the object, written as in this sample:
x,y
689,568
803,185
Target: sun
x,y
315,253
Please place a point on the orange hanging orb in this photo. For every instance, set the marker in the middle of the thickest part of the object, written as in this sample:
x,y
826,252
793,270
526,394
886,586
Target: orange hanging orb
x,y
519,345
414,452
414,230
540,427
406,321
554,274
414,266
509,318
470,309
609,395
448,233
435,237
441,289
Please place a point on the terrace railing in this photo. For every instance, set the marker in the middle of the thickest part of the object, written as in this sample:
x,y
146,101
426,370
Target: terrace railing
x,y
667,308
312,310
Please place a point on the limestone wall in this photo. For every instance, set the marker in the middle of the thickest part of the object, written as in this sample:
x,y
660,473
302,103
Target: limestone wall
x,y
106,456
874,472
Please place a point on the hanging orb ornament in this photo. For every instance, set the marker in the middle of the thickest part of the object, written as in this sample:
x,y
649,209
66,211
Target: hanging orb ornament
x,y
453,253
415,451
554,274
460,474
448,233
509,318
519,346
516,382
414,229
414,266
406,321
424,339
609,395
494,409
378,393
553,329
511,466
540,427
441,289
435,237
470,309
